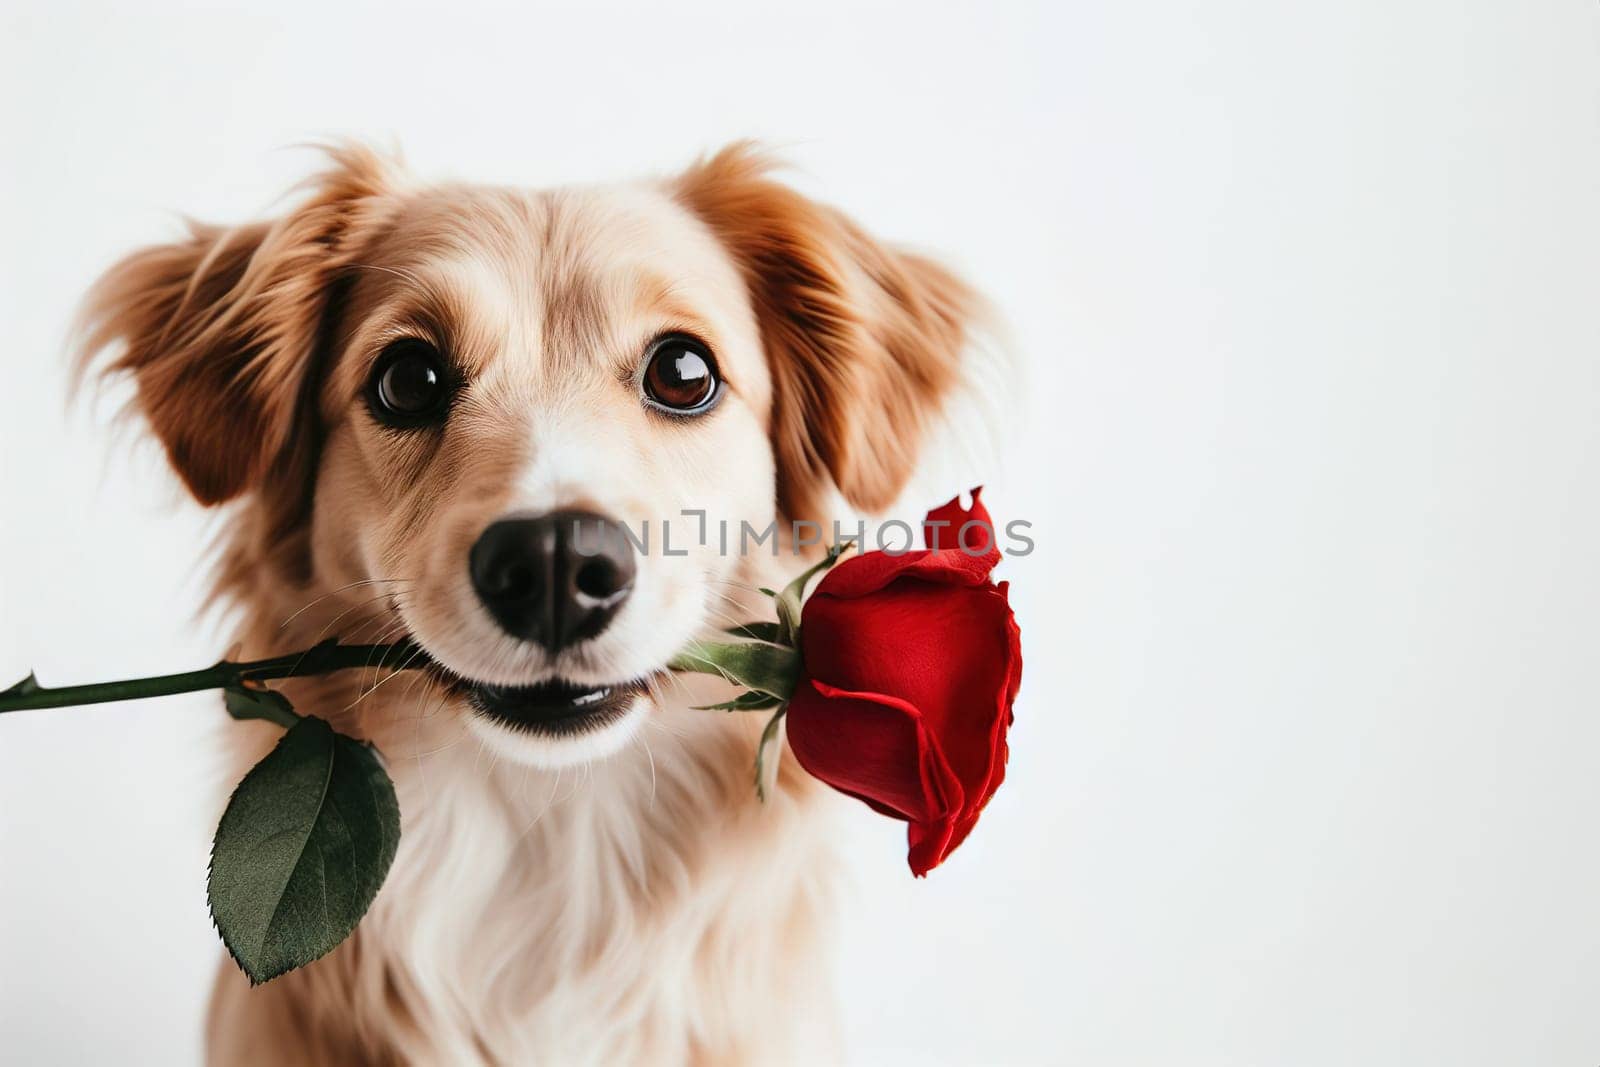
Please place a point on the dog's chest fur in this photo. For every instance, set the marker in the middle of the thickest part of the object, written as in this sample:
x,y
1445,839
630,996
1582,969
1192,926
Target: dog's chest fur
x,y
642,909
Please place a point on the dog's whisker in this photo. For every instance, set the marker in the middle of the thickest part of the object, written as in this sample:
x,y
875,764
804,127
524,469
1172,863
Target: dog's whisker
x,y
676,733
422,772
336,592
731,601
746,586
417,678
361,605
571,792
392,630
428,754
401,669
651,756
452,743
378,624
540,814
724,616
672,679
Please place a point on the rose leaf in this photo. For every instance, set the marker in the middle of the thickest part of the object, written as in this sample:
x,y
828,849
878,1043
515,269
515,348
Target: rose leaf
x,y
301,850
767,753
256,702
757,631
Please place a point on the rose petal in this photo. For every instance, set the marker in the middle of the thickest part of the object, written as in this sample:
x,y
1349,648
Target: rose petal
x,y
945,651
969,531
999,750
943,561
912,664
875,748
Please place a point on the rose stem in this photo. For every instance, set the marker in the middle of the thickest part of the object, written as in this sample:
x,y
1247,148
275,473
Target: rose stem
x,y
219,675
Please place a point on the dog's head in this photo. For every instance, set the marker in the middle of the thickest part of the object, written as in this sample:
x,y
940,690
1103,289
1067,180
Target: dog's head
x,y
536,426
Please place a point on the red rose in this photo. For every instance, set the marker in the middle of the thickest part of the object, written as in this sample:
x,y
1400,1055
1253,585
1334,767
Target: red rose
x,y
911,664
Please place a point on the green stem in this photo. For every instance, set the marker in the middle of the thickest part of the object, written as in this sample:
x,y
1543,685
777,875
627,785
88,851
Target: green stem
x,y
320,659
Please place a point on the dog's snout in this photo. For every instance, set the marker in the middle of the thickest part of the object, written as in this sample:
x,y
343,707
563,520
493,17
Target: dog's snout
x,y
556,579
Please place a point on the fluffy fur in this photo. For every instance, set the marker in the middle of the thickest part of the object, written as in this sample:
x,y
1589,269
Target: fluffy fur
x,y
610,899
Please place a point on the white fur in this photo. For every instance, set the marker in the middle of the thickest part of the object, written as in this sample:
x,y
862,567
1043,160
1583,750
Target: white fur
x,y
620,911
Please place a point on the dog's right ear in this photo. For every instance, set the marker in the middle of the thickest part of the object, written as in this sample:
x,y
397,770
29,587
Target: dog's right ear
x,y
218,331
865,340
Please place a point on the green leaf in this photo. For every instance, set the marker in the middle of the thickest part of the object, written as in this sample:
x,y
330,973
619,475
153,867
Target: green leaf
x,y
790,600
756,631
744,702
301,850
248,702
30,684
768,743
788,619
770,669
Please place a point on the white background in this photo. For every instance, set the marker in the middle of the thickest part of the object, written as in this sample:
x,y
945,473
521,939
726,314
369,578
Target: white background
x,y
1304,769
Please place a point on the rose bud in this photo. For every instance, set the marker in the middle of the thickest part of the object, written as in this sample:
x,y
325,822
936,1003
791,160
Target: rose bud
x,y
911,665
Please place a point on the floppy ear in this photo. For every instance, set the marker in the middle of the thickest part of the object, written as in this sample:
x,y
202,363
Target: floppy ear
x,y
863,340
219,331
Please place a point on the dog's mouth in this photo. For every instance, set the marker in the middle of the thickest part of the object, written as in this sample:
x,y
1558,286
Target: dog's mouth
x,y
555,707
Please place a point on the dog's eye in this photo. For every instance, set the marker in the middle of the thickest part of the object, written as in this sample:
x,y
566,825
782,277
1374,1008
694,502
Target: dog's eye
x,y
410,385
681,376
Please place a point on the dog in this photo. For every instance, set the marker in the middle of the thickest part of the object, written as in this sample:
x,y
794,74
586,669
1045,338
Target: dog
x,y
417,401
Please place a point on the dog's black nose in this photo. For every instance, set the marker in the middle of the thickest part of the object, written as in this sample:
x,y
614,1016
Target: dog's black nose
x,y
557,579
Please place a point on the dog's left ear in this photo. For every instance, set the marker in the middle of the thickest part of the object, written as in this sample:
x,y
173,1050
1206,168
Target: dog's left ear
x,y
864,340
219,331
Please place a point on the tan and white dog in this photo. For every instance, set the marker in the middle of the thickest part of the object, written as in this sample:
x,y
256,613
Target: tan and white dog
x,y
414,397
